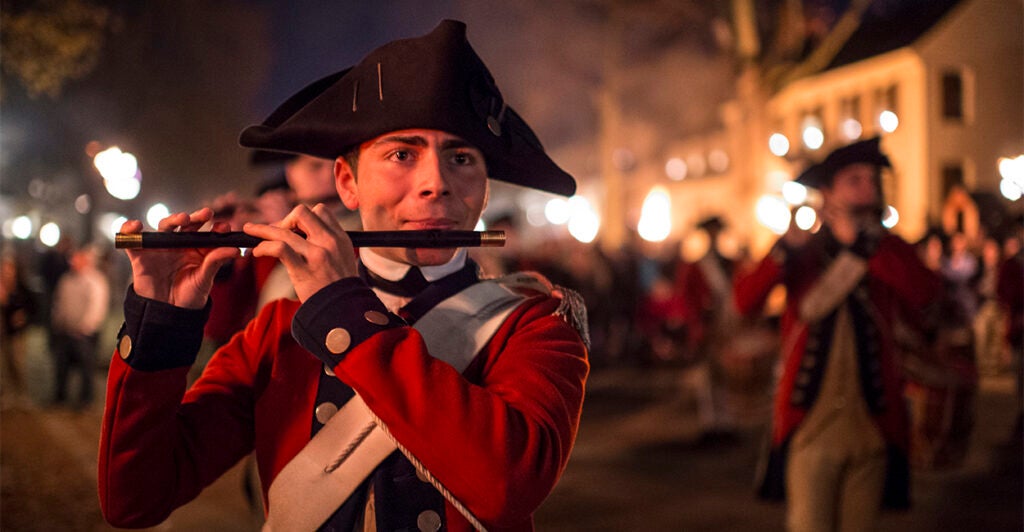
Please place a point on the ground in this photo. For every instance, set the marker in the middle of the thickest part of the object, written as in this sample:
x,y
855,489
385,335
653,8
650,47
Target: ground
x,y
637,465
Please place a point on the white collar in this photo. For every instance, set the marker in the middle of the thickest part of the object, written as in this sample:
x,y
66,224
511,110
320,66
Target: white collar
x,y
394,270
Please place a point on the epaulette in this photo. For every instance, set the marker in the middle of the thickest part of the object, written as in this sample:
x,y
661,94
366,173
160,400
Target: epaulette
x,y
572,309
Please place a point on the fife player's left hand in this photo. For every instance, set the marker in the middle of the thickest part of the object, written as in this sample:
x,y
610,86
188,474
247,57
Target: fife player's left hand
x,y
324,256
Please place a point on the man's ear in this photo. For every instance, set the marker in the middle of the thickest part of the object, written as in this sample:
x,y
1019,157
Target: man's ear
x,y
345,182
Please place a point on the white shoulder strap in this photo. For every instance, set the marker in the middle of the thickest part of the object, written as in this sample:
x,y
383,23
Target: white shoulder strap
x,y
831,289
351,445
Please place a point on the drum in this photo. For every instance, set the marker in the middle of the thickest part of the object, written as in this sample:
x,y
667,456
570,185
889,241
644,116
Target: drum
x,y
940,391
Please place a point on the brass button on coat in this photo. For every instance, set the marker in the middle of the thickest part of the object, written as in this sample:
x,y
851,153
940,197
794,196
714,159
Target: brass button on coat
x,y
325,411
428,521
338,340
377,318
125,347
328,371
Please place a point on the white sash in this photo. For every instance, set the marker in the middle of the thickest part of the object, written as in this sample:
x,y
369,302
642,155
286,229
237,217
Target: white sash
x,y
306,492
837,282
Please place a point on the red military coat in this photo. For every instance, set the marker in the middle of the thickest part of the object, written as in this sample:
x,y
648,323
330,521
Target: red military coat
x,y
896,286
497,436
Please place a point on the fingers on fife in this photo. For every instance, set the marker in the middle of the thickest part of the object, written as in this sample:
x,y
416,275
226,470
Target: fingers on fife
x,y
182,277
324,255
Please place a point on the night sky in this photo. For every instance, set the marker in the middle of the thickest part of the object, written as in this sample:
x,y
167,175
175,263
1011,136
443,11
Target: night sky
x,y
177,80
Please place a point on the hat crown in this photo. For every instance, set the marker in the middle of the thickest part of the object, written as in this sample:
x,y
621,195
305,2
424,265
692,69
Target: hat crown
x,y
864,151
436,81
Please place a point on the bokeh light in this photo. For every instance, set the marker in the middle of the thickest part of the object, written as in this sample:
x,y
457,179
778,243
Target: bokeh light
x,y
805,217
794,193
557,211
655,216
888,121
49,234
778,144
21,227
773,213
157,212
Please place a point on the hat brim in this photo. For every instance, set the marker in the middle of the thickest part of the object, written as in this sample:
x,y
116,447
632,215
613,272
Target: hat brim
x,y
431,82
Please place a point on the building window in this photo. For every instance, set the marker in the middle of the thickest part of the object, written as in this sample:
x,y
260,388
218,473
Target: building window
x,y
850,127
952,176
952,96
887,117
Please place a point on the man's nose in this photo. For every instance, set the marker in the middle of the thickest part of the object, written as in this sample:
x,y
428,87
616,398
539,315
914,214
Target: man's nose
x,y
432,179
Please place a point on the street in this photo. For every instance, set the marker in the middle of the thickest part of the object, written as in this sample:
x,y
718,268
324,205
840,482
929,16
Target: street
x,y
636,466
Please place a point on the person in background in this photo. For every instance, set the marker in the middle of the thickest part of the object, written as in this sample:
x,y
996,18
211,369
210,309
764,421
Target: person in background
x,y
399,390
990,320
18,308
961,270
1010,291
840,432
705,287
80,305
310,181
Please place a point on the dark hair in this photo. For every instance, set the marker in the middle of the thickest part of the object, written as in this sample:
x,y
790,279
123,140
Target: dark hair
x,y
351,157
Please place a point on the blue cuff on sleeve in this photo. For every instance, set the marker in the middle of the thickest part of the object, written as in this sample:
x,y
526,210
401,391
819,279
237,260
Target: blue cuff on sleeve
x,y
162,336
339,317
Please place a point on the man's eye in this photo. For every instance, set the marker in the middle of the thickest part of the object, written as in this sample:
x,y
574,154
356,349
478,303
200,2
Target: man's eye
x,y
463,159
401,155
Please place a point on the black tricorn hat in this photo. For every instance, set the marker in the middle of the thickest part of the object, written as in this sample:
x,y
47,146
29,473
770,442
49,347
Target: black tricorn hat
x,y
865,151
266,158
436,82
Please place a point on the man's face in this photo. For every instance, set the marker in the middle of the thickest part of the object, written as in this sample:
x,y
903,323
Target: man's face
x,y
311,178
415,179
854,188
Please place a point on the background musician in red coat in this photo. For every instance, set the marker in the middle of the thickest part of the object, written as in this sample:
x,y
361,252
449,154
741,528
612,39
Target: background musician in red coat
x,y
1010,292
400,391
840,429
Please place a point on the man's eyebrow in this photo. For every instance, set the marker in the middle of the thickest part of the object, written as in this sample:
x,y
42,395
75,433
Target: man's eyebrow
x,y
452,144
412,140
416,140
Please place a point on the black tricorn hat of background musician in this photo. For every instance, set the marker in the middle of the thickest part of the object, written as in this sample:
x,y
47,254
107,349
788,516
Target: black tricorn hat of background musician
x,y
865,151
435,81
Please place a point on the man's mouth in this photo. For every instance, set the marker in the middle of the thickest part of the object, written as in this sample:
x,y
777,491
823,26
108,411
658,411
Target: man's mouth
x,y
430,223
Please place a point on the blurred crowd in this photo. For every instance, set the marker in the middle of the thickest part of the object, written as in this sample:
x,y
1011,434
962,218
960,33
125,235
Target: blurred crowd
x,y
650,305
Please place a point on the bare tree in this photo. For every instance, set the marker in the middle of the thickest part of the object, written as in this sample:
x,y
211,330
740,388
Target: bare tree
x,y
47,44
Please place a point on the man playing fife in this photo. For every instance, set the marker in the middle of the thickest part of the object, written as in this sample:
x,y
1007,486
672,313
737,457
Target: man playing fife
x,y
400,391
840,430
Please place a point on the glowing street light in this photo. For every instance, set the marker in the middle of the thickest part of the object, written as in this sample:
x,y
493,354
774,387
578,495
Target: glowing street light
x,y
108,224
120,171
21,227
1010,190
794,193
888,121
557,211
157,212
584,223
778,144
773,213
49,234
813,137
1012,172
805,217
891,217
655,216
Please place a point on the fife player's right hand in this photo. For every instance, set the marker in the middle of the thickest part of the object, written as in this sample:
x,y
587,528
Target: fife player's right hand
x,y
181,277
